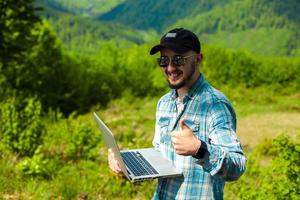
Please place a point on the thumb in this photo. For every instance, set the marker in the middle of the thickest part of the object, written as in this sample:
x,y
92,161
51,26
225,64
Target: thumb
x,y
182,124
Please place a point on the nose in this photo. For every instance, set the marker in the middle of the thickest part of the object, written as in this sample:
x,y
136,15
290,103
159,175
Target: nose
x,y
171,66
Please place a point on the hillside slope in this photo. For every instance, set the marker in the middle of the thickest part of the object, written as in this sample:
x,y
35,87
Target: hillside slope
x,y
264,27
267,27
89,8
144,14
85,34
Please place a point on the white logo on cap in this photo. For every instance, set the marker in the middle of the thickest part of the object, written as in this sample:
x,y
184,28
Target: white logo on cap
x,y
171,35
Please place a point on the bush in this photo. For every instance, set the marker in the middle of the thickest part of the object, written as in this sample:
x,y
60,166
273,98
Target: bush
x,y
272,173
38,165
21,127
237,67
82,143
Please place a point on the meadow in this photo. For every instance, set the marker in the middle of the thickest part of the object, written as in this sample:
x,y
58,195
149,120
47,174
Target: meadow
x,y
72,162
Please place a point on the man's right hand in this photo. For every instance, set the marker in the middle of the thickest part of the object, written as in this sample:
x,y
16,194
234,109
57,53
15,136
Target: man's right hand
x,y
113,162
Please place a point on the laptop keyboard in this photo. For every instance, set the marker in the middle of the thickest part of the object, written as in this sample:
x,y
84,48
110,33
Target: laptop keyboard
x,y
137,164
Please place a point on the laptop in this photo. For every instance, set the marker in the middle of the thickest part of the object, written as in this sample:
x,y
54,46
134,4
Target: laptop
x,y
138,164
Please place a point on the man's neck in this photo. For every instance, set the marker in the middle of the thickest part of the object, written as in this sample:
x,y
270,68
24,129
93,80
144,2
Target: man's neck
x,y
182,92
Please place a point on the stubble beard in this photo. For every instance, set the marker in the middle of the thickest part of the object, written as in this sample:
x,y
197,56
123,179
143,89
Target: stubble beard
x,y
185,80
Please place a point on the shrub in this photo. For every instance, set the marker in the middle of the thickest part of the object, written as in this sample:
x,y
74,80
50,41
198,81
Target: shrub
x,y
81,143
21,127
38,165
271,174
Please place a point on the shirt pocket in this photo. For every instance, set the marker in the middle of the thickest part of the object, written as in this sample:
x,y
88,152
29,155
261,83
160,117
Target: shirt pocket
x,y
194,125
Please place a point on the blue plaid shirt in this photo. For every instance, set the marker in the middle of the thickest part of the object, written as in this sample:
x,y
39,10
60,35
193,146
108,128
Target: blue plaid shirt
x,y
212,119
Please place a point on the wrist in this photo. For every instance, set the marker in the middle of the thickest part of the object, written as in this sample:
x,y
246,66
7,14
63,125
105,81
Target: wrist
x,y
197,147
201,151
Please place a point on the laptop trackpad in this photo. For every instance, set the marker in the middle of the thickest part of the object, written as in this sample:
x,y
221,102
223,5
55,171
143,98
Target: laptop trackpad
x,y
154,157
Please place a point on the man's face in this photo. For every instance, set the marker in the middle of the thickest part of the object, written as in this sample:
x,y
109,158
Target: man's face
x,y
179,76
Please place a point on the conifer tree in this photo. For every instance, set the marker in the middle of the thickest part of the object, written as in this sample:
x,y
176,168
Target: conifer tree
x,y
17,19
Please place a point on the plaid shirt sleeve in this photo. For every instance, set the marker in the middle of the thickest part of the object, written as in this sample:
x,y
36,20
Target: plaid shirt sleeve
x,y
224,156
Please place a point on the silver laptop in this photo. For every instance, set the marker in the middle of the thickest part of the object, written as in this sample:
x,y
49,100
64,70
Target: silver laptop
x,y
138,164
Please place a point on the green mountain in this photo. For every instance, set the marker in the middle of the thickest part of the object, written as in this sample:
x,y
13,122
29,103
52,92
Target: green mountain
x,y
157,15
85,34
81,7
265,27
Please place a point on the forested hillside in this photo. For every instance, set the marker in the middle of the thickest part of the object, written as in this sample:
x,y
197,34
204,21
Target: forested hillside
x,y
157,15
250,25
83,34
89,8
264,27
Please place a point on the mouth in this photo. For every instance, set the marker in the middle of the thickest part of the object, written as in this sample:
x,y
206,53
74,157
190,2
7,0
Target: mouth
x,y
174,76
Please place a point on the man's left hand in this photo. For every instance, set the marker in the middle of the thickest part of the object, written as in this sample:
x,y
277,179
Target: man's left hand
x,y
184,142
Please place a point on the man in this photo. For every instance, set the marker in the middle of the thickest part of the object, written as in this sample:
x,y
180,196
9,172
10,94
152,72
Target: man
x,y
195,125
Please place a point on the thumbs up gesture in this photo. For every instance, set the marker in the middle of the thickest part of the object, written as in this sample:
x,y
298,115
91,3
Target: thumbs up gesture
x,y
184,142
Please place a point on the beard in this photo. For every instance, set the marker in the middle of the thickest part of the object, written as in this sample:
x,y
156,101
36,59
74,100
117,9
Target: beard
x,y
185,80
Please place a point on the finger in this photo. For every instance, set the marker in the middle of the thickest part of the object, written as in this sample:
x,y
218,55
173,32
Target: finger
x,y
174,140
114,167
111,163
110,157
174,133
177,150
182,124
118,167
110,153
111,166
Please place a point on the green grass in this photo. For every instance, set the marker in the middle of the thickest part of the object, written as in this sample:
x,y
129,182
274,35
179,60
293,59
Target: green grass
x,y
132,121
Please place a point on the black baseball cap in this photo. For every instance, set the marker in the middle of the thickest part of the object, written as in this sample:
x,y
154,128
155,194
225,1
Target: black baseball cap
x,y
179,40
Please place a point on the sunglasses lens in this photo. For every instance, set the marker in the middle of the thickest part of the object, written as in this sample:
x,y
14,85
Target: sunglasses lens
x,y
163,61
178,60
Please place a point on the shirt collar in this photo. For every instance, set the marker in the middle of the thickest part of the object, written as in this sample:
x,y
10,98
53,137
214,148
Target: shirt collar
x,y
193,90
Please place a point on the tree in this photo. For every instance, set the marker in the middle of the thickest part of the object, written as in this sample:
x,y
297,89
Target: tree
x,y
17,19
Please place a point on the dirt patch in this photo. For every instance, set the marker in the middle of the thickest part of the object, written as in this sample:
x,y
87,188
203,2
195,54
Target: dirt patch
x,y
257,127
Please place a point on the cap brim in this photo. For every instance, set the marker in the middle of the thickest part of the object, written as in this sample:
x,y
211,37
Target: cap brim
x,y
176,48
155,49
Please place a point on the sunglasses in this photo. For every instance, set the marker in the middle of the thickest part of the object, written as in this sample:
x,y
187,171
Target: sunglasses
x,y
176,60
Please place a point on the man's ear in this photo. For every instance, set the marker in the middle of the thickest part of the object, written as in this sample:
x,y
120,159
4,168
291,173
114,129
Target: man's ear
x,y
199,58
